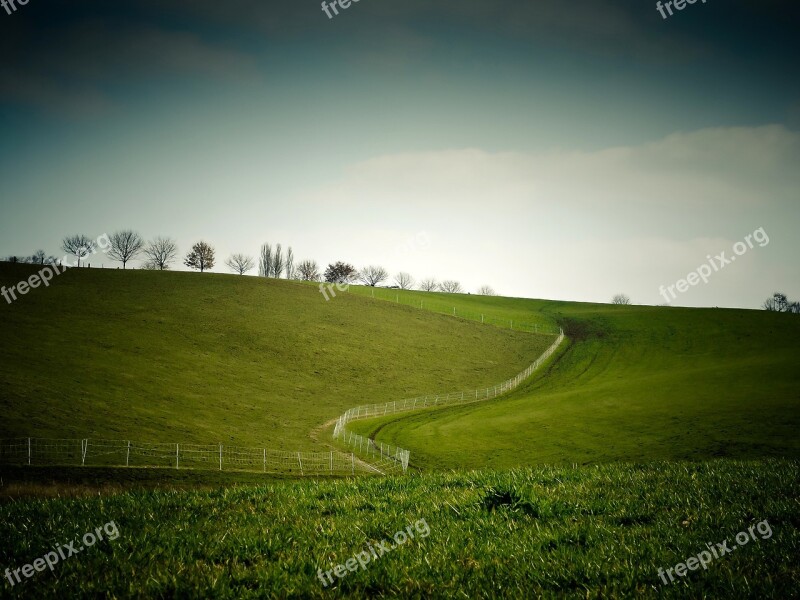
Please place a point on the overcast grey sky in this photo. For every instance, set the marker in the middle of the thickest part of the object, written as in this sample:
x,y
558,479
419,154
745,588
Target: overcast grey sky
x,y
549,149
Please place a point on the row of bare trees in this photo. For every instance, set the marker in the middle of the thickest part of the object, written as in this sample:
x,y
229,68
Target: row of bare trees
x,y
373,276
780,303
273,261
124,246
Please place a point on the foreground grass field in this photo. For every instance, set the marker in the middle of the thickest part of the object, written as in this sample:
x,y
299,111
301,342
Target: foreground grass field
x,y
184,357
635,384
586,532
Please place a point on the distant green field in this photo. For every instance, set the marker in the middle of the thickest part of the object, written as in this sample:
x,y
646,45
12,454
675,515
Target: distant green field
x,y
587,532
185,357
508,313
635,384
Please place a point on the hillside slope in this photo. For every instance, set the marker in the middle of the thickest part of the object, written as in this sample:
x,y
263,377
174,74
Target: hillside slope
x,y
161,356
635,384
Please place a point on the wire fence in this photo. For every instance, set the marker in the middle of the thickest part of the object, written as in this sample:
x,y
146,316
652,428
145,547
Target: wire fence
x,y
442,306
218,457
384,457
365,446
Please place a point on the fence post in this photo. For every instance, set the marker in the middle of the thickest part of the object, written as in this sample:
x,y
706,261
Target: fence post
x,y
301,463
454,311
128,455
29,452
353,459
220,457
265,460
331,461
177,456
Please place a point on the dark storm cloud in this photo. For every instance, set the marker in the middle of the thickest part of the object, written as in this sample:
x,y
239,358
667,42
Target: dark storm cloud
x,y
72,54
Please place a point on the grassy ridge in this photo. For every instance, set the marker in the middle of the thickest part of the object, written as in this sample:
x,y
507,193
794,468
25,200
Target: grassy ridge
x,y
587,532
183,357
635,384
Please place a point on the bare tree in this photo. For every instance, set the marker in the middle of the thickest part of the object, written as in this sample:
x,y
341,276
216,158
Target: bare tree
x,y
340,273
38,257
372,275
160,253
620,299
778,303
451,287
241,264
486,290
404,281
79,246
307,270
429,285
289,263
794,308
277,262
201,257
265,261
125,245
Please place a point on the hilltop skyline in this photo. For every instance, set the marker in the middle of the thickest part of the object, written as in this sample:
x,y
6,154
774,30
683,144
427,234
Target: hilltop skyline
x,y
549,151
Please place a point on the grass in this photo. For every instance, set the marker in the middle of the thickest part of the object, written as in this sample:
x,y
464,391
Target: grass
x,y
635,384
682,424
183,357
585,532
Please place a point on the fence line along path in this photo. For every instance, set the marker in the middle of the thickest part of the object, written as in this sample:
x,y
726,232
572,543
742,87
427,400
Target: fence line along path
x,y
218,457
387,452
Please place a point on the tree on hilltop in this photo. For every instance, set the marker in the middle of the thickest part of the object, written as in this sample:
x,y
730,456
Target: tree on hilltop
x,y
80,246
451,287
372,275
429,285
125,245
160,253
201,257
340,273
307,270
404,281
241,264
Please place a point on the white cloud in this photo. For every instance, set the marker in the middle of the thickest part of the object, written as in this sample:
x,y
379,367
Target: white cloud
x,y
582,226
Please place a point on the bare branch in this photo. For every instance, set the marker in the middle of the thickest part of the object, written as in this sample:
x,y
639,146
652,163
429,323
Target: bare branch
x,y
79,246
125,245
241,264
160,253
429,285
451,287
404,281
307,270
372,275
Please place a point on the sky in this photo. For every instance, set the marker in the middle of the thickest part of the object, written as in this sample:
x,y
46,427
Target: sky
x,y
555,150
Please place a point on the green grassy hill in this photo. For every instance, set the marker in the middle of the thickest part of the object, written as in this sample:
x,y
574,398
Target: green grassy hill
x,y
185,357
635,384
